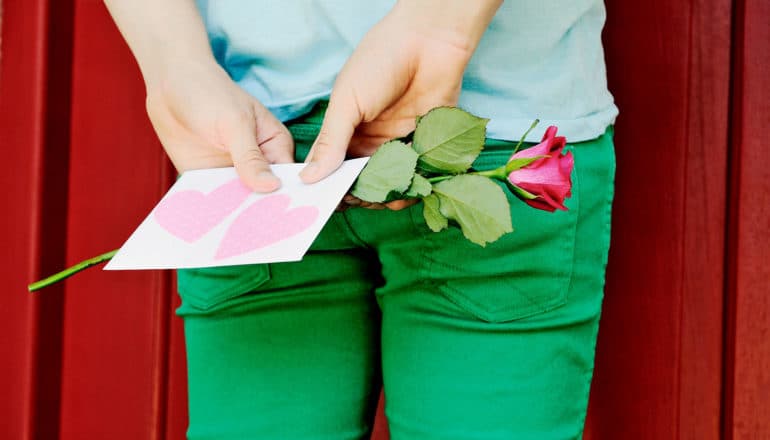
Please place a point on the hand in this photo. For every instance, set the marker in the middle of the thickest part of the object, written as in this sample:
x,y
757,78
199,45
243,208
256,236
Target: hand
x,y
411,61
204,120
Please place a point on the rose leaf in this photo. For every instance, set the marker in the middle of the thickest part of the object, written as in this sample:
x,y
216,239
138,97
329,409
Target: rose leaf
x,y
448,140
388,171
433,217
477,204
420,187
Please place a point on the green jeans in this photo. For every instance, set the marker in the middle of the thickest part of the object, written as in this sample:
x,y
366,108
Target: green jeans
x,y
468,342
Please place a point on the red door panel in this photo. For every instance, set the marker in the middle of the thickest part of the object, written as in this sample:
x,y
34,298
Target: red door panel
x,y
35,56
747,357
658,372
116,324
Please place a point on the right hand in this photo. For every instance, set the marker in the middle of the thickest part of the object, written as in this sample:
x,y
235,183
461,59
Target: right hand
x,y
205,120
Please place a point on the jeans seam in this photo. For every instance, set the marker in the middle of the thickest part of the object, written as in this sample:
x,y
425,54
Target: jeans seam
x,y
205,303
347,229
608,228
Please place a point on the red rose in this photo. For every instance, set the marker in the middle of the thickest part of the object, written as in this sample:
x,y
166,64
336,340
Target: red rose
x,y
548,178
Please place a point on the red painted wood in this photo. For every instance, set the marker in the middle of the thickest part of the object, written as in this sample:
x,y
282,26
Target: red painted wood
x,y
702,320
658,372
116,327
380,431
747,382
20,108
176,413
33,89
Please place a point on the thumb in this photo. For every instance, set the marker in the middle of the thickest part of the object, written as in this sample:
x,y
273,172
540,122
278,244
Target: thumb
x,y
250,164
328,151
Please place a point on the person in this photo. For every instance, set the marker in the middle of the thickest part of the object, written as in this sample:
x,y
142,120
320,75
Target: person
x,y
468,342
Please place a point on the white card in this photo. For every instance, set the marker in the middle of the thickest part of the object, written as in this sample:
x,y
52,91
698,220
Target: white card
x,y
209,218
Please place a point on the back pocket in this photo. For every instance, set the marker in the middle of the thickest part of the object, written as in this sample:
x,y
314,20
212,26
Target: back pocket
x,y
206,288
522,274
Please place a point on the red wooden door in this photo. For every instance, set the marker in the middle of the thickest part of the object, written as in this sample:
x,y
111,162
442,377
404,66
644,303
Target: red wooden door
x,y
659,357
682,348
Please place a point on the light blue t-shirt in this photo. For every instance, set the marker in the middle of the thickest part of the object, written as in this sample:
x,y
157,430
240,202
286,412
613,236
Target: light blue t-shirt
x,y
537,59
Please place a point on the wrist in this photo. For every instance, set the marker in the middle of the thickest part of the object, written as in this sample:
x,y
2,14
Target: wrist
x,y
163,65
458,22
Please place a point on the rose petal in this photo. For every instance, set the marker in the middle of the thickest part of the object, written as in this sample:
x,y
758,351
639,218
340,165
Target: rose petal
x,y
547,146
540,204
550,132
552,195
541,149
549,178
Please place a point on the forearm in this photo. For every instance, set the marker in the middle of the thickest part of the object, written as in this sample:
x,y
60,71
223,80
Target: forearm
x,y
460,22
160,33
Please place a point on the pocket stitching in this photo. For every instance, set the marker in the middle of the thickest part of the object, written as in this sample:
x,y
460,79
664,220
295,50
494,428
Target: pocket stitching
x,y
502,314
207,302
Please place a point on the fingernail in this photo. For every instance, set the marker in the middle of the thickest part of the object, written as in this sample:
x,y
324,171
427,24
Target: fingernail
x,y
267,181
310,171
267,175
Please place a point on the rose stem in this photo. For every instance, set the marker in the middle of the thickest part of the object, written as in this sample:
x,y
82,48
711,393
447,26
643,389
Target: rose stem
x,y
521,141
72,270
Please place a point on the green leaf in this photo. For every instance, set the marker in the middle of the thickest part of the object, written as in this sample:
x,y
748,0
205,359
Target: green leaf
x,y
420,187
433,217
449,139
477,204
388,171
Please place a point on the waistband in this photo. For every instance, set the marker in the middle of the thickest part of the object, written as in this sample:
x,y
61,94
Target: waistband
x,y
305,129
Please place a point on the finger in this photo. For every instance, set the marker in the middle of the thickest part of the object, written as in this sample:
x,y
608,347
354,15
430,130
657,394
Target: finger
x,y
367,205
352,200
398,205
328,151
273,137
251,165
279,149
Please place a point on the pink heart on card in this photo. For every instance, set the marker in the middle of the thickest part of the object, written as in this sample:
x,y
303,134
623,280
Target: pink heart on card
x,y
265,222
190,214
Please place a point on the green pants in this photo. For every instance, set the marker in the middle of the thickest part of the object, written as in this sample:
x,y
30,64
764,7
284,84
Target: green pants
x,y
468,342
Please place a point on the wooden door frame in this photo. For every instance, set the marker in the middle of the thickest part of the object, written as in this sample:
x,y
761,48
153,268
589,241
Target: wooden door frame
x,y
35,59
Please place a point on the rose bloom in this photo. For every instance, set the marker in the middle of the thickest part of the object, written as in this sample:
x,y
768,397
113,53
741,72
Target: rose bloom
x,y
548,178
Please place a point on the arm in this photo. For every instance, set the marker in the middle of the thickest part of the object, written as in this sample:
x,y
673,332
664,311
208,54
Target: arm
x,y
161,34
411,61
201,117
